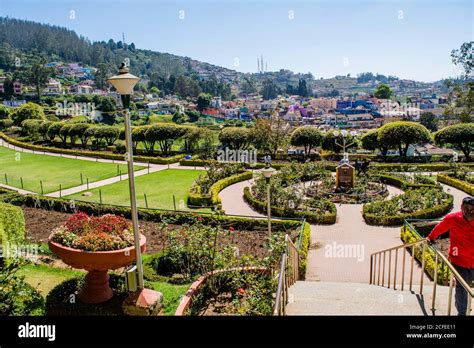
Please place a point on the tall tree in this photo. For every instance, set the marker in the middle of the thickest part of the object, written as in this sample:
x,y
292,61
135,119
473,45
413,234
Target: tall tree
x,y
38,75
383,91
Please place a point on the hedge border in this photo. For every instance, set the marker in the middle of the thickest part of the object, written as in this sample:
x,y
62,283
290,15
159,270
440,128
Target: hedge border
x,y
325,219
400,183
304,249
212,198
93,154
408,236
456,183
397,220
156,215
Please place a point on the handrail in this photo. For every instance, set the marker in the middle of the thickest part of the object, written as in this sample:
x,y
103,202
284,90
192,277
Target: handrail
x,y
288,275
380,256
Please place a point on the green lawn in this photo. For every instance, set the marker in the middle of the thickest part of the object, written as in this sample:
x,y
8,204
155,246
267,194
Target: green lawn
x,y
51,170
159,188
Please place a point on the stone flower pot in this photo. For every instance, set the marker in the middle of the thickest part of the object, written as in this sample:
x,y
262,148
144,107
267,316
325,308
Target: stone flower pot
x,y
97,263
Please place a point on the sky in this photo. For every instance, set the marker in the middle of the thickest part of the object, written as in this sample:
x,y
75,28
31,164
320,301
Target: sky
x,y
410,39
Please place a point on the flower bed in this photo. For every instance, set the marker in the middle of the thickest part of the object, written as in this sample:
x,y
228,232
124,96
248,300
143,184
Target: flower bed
x,y
403,183
424,203
457,183
94,154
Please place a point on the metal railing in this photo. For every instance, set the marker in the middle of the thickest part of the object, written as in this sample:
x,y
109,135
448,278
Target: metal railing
x,y
287,275
381,273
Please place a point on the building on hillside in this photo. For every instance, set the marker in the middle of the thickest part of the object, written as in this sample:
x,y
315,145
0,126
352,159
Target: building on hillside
x,y
52,87
17,87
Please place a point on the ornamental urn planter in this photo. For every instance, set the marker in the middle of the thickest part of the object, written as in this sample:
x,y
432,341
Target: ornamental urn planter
x,y
96,288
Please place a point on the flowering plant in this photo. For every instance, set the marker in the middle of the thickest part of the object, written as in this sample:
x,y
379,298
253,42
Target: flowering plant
x,y
94,233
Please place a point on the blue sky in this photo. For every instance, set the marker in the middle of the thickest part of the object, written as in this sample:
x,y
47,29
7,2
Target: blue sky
x,y
407,38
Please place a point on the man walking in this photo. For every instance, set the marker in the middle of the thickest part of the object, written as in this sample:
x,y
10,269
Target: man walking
x,y
460,226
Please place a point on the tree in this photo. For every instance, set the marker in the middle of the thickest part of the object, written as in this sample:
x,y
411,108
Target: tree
x,y
383,91
53,130
4,112
203,100
249,86
302,88
329,142
460,135
306,136
269,90
154,90
270,134
164,134
79,130
31,127
236,138
43,129
191,138
27,111
38,75
402,134
370,142
64,133
428,119
109,133
463,57
101,76
179,117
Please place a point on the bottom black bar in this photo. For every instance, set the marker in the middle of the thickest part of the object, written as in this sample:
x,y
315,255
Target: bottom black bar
x,y
291,331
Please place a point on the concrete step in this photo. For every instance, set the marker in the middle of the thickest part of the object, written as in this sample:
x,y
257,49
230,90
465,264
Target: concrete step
x,y
331,298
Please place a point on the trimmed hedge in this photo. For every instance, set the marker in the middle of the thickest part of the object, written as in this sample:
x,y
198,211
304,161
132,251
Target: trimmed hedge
x,y
212,198
408,236
303,249
400,183
94,154
325,219
396,220
459,184
205,163
12,222
173,217
425,167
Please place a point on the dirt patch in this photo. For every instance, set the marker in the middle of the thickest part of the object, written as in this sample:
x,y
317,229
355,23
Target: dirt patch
x,y
40,223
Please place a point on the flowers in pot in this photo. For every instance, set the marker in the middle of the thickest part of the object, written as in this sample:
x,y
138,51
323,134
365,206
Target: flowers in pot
x,y
96,244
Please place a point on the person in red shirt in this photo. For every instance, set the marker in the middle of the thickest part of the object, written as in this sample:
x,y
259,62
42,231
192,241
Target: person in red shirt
x,y
460,226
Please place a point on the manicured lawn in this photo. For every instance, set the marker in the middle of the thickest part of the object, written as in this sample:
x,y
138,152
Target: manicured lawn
x,y
51,170
45,278
159,188
172,295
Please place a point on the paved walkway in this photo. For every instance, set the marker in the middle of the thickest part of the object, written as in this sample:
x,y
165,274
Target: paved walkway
x,y
233,202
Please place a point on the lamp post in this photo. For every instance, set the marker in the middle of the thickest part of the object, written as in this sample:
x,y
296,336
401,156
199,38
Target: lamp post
x,y
344,133
124,83
268,172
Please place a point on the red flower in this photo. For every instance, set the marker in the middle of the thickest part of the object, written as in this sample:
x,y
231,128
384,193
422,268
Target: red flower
x,y
241,291
231,228
77,222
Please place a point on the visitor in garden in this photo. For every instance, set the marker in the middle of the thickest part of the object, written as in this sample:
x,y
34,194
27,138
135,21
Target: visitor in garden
x,y
460,226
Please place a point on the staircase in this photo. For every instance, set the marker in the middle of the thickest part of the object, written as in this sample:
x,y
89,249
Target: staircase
x,y
328,298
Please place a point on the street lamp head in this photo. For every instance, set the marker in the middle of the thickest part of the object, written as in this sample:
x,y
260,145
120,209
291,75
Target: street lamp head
x,y
268,171
353,133
344,133
124,81
336,133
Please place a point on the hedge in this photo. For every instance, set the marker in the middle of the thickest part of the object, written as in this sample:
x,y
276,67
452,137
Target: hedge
x,y
396,220
407,235
303,249
459,184
400,183
324,219
95,154
425,167
155,215
13,224
212,198
205,163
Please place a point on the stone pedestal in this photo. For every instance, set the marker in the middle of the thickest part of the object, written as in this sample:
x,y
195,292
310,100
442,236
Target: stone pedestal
x,y
96,288
144,302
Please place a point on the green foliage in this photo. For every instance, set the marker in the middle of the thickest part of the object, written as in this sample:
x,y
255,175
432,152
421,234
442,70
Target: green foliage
x,y
164,134
383,91
203,100
53,130
402,134
27,111
459,184
17,298
461,135
236,138
5,124
4,112
428,119
424,203
306,136
13,224
329,142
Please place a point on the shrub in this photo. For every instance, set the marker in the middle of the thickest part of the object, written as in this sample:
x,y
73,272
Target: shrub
x,y
424,203
5,124
53,130
26,112
306,136
460,135
13,223
401,134
236,138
